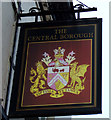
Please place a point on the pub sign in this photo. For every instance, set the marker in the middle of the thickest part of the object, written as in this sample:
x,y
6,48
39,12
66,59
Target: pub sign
x,y
58,69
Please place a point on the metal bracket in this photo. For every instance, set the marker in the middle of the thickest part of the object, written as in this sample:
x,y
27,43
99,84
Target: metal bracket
x,y
39,11
58,11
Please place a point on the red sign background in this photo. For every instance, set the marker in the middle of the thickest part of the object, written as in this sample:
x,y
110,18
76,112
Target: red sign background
x,y
83,54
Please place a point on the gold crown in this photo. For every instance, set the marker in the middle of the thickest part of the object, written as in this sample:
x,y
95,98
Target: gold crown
x,y
59,52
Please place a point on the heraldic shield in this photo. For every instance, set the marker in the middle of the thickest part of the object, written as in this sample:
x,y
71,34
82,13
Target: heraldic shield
x,y
57,77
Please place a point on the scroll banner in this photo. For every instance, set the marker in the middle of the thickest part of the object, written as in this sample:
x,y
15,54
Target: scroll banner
x,y
58,69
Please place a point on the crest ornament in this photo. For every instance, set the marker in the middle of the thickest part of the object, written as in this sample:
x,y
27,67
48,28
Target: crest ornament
x,y
60,76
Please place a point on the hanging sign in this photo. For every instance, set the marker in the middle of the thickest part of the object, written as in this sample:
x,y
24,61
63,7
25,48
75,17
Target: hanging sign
x,y
58,69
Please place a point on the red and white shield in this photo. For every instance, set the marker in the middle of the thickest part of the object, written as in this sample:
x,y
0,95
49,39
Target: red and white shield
x,y
57,77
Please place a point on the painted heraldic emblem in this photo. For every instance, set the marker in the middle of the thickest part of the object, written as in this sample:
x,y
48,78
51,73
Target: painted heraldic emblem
x,y
58,77
61,75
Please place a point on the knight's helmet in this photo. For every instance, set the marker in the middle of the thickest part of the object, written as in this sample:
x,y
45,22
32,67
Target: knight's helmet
x,y
59,53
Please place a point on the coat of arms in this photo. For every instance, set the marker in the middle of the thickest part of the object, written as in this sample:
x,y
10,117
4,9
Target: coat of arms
x,y
60,76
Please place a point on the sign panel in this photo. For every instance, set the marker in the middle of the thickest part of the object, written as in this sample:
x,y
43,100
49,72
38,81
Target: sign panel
x,y
58,69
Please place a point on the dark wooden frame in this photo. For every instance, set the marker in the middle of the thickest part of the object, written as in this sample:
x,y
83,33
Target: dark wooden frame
x,y
58,110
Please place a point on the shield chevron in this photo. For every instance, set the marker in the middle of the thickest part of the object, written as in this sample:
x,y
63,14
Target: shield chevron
x,y
57,77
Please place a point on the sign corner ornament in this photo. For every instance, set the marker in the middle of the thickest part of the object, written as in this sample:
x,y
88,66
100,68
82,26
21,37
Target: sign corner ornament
x,y
56,75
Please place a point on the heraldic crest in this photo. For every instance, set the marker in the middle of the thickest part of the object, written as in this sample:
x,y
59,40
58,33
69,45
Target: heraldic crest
x,y
60,76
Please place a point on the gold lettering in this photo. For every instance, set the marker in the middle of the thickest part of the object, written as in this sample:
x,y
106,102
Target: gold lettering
x,y
71,36
34,38
42,38
92,35
85,35
38,38
29,38
60,31
62,36
53,37
81,35
47,38
75,35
